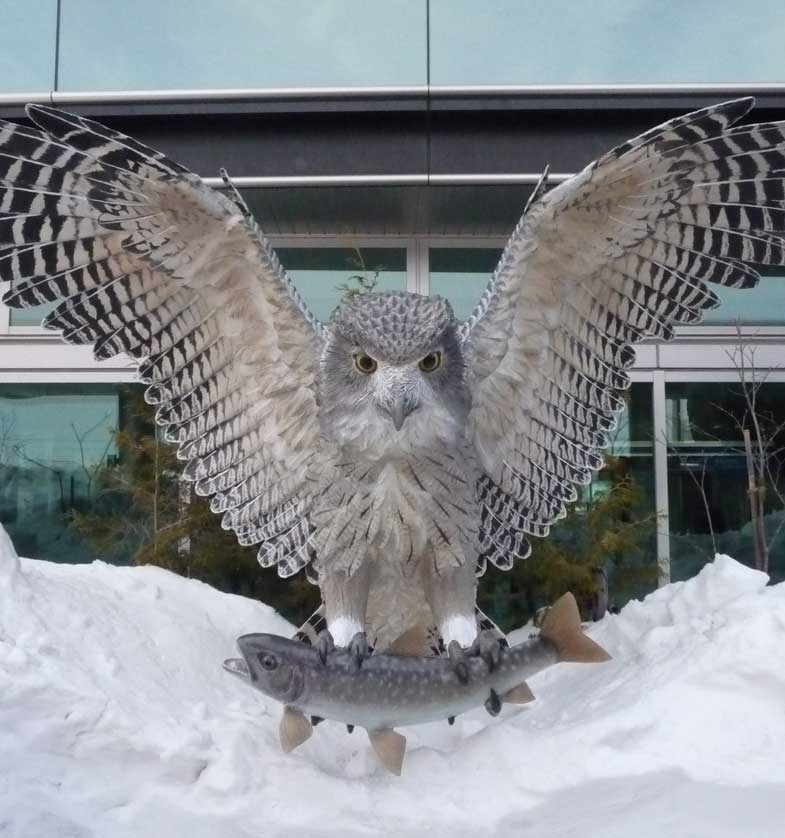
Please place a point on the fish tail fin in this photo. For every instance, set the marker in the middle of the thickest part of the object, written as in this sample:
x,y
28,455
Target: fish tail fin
x,y
562,627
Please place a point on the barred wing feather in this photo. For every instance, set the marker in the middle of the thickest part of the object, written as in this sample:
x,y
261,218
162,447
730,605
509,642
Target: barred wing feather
x,y
142,258
619,252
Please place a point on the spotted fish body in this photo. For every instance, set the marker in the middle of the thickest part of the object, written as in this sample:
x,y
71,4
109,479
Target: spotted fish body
x,y
389,690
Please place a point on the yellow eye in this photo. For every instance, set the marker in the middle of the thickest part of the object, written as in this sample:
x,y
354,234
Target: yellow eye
x,y
364,363
432,361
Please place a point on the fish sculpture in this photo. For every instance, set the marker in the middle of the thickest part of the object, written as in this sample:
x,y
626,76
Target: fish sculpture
x,y
388,690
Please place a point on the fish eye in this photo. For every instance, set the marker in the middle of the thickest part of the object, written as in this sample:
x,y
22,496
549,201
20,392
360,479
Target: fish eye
x,y
364,363
267,661
432,361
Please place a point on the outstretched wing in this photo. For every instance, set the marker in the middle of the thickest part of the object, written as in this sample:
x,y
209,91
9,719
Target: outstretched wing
x,y
619,252
145,259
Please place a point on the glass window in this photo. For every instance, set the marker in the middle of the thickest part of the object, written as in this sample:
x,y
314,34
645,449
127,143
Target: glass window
x,y
618,507
27,46
460,274
30,316
760,306
232,43
707,473
54,441
324,274
605,41
610,531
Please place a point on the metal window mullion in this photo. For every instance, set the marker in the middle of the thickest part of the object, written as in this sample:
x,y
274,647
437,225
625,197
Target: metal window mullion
x,y
774,375
35,375
392,179
661,478
421,258
412,267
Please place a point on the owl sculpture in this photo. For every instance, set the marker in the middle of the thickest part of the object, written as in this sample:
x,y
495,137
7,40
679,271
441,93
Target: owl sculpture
x,y
394,450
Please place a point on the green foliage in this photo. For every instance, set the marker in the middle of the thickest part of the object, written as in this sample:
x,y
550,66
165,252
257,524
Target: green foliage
x,y
143,509
607,529
364,281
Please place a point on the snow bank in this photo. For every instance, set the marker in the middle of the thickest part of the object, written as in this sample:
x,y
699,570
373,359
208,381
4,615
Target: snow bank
x,y
116,720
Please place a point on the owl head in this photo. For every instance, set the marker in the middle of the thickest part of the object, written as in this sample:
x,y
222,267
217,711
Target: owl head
x,y
390,356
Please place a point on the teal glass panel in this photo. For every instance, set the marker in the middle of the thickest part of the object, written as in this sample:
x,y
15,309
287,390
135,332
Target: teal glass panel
x,y
707,473
605,42
461,274
30,316
323,275
763,305
54,441
618,506
235,43
27,45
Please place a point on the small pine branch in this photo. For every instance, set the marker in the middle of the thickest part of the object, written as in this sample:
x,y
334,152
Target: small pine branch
x,y
363,282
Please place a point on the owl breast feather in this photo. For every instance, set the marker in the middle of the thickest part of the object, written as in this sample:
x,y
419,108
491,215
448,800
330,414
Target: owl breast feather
x,y
401,508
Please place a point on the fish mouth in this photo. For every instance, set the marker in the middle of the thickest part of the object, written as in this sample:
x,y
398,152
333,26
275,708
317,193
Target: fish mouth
x,y
238,667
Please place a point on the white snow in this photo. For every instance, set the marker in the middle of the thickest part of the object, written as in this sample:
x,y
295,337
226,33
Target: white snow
x,y
117,720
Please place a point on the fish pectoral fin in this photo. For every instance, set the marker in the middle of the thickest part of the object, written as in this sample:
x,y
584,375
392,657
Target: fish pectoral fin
x,y
521,694
237,666
390,748
414,642
562,627
293,730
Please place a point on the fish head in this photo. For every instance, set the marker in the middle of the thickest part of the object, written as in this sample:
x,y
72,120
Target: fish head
x,y
275,665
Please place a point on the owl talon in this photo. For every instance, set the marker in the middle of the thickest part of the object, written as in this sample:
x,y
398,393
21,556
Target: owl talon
x,y
358,648
325,645
488,646
457,655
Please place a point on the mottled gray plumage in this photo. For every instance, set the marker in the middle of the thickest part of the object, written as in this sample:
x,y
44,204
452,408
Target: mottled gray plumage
x,y
393,325
392,450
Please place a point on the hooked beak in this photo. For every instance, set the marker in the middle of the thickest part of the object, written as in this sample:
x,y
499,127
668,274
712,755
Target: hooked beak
x,y
399,410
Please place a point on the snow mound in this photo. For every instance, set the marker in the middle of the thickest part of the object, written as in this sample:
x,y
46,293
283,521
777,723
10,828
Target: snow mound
x,y
116,720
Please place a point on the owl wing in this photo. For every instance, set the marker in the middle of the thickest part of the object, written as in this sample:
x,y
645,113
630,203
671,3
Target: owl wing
x,y
144,259
619,252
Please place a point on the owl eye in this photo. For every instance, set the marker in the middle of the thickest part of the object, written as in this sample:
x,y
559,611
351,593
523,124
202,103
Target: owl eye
x,y
432,361
364,363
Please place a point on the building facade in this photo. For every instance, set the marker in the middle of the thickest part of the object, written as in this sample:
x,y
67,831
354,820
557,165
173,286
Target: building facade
x,y
399,142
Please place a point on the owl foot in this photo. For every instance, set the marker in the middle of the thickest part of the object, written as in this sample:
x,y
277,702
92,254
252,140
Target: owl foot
x,y
488,646
358,648
325,645
460,665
